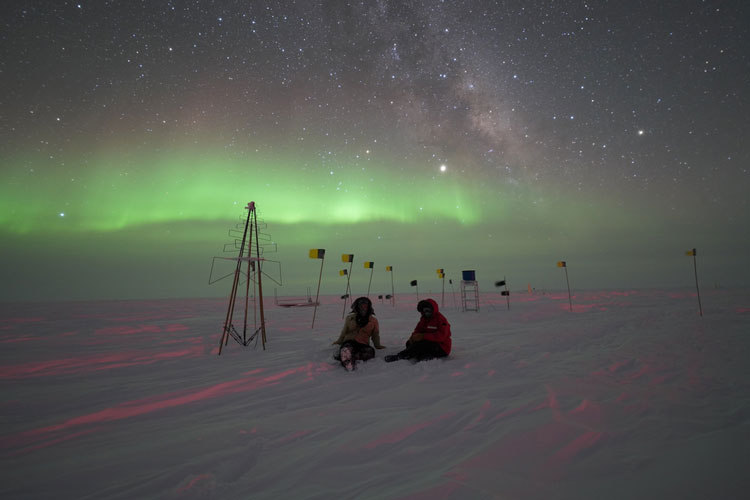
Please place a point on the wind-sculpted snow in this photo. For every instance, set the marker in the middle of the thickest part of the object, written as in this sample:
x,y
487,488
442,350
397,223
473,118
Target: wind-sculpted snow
x,y
631,395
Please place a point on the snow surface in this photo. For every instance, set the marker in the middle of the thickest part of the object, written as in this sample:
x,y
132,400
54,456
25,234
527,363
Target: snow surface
x,y
631,395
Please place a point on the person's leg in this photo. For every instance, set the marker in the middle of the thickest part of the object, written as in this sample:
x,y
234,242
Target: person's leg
x,y
422,351
407,353
363,352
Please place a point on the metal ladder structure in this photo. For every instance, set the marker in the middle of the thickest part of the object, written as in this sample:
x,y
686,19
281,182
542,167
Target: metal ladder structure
x,y
469,292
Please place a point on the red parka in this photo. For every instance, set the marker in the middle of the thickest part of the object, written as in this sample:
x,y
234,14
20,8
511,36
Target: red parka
x,y
436,329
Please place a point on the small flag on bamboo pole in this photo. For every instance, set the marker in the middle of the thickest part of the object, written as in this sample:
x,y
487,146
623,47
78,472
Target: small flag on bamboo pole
x,y
392,296
505,293
371,266
692,253
317,253
343,272
347,257
441,275
562,263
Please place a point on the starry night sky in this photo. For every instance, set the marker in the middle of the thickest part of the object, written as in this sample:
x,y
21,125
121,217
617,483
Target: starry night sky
x,y
495,136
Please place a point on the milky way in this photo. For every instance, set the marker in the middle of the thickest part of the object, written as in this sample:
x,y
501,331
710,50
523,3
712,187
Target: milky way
x,y
502,136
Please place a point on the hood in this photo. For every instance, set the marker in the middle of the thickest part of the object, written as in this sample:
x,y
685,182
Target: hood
x,y
432,304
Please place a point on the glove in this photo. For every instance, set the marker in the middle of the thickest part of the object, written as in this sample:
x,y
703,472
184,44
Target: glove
x,y
416,337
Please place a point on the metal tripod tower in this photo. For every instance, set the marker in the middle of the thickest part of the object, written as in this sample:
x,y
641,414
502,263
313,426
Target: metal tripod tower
x,y
249,253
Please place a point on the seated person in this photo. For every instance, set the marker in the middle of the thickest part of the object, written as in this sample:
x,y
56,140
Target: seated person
x,y
431,337
360,325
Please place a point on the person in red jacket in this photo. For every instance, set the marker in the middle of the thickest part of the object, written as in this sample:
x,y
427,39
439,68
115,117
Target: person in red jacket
x,y
431,337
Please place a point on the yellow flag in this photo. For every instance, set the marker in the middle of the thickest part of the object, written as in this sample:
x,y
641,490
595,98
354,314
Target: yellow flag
x,y
389,268
440,271
347,257
369,265
691,252
561,263
317,253
343,272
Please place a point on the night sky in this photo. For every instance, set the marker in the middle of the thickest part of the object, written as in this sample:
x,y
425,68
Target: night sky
x,y
494,136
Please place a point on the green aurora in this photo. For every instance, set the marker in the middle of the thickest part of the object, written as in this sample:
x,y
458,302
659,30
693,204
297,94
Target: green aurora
x,y
149,226
117,192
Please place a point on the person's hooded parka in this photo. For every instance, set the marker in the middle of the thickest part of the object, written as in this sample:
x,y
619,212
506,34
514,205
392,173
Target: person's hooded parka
x,y
352,330
436,329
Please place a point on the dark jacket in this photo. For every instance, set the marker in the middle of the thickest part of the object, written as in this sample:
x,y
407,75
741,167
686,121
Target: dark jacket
x,y
436,329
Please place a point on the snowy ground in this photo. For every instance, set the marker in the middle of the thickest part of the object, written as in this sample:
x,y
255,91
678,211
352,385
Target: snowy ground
x,y
632,395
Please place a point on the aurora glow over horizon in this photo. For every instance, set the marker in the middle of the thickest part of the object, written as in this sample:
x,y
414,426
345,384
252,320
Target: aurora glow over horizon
x,y
496,136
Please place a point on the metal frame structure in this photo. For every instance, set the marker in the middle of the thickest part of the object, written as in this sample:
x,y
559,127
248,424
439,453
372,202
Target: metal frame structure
x,y
250,253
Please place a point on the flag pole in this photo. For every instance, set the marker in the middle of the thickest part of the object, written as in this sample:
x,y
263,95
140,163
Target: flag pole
x,y
564,264
393,294
348,283
350,259
505,292
320,278
441,275
695,270
442,296
372,270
